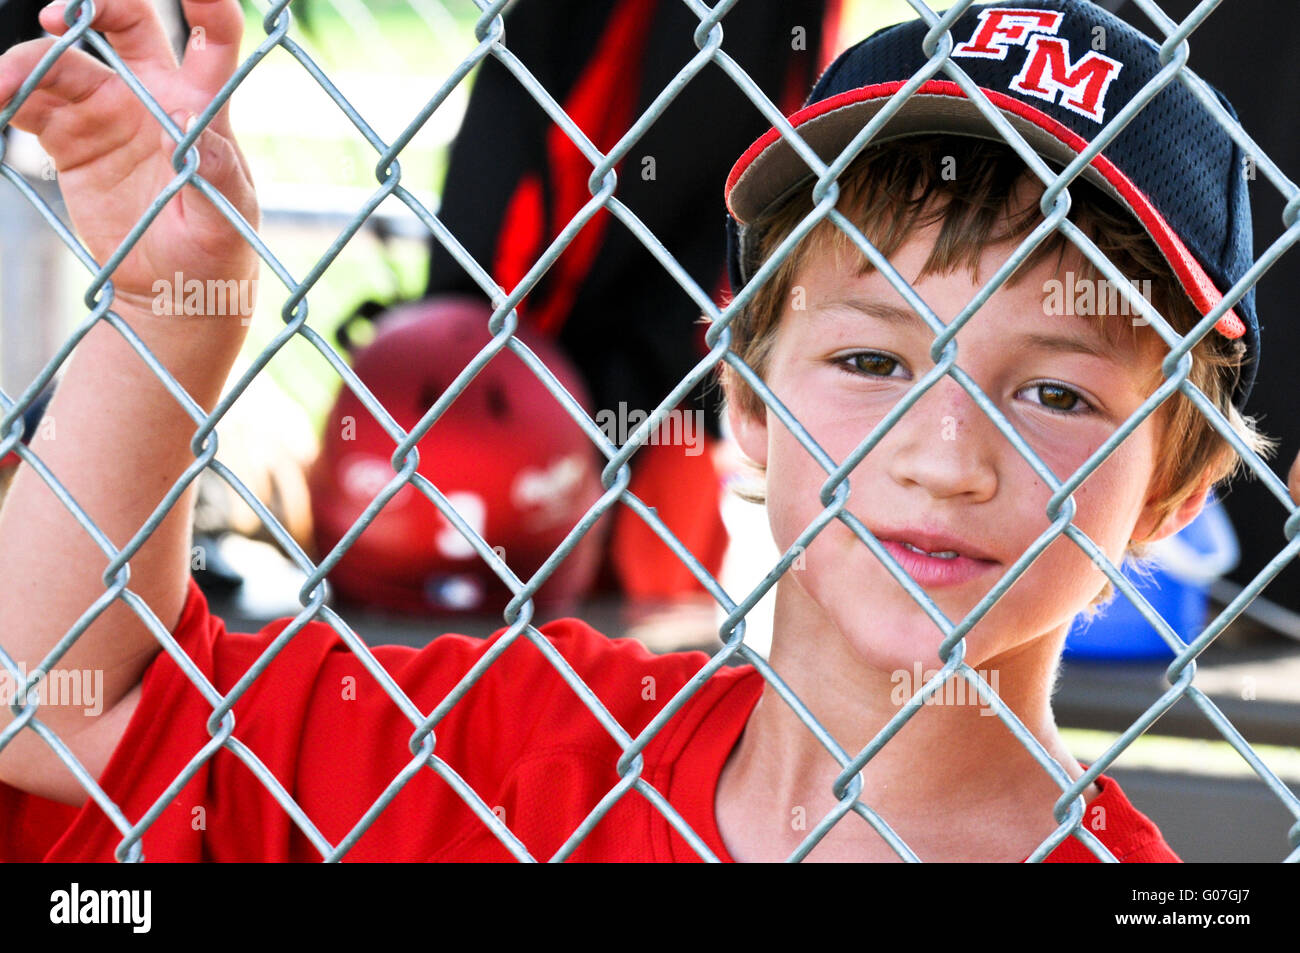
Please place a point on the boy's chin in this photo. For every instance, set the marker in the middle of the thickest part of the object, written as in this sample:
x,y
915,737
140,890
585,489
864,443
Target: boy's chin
x,y
895,640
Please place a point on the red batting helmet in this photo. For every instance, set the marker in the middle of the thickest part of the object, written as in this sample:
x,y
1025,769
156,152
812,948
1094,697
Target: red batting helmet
x,y
508,457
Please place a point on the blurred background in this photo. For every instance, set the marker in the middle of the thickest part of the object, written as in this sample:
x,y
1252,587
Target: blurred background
x,y
509,174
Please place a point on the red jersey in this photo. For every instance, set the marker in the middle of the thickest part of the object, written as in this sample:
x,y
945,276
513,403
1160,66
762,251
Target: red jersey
x,y
320,723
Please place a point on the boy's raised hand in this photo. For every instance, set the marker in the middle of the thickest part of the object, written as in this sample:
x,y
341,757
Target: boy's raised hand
x,y
123,440
113,157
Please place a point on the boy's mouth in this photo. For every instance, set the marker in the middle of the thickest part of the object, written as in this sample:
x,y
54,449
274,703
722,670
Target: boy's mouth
x,y
934,544
931,568
948,554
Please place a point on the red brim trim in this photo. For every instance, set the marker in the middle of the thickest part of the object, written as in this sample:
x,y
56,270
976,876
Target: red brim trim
x,y
1194,280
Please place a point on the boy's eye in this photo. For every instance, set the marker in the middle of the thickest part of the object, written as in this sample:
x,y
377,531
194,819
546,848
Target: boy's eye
x,y
1058,398
873,363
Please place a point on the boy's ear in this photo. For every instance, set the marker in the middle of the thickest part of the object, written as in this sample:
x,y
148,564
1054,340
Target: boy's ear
x,y
1175,521
750,431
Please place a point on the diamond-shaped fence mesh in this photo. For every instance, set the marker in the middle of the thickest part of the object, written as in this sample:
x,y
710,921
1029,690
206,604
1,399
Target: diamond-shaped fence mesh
x,y
101,309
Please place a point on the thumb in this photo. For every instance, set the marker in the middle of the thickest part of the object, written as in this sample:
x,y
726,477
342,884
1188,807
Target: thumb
x,y
183,118
220,164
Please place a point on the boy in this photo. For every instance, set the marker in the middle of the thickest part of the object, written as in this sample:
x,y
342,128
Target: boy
x,y
370,762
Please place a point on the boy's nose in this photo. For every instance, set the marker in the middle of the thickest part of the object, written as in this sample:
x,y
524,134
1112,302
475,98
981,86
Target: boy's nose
x,y
945,444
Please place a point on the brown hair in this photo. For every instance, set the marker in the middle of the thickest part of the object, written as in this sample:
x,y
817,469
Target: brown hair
x,y
898,186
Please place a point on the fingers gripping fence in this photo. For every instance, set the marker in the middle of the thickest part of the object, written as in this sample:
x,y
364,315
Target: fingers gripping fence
x,y
709,39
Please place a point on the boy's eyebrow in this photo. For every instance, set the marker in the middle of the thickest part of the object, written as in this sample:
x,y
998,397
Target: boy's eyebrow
x,y
1089,343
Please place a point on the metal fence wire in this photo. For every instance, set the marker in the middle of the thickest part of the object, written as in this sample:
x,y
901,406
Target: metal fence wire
x,y
709,39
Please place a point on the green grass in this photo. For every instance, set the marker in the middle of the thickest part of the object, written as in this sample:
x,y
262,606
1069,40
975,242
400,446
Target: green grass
x,y
1184,755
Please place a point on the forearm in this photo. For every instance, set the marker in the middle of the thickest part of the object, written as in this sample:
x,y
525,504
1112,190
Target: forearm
x,y
118,442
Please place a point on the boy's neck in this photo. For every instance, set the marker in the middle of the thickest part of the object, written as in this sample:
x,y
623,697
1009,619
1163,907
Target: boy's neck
x,y
953,781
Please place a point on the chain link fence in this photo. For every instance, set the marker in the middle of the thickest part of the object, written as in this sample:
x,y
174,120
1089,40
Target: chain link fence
x,y
709,38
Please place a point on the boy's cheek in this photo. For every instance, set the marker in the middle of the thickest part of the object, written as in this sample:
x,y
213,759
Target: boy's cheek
x,y
1111,498
794,484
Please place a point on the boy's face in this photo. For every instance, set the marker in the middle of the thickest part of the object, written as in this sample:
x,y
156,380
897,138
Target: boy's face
x,y
842,362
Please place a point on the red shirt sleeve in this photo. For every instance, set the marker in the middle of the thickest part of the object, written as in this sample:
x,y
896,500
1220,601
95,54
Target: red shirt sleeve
x,y
1127,833
35,825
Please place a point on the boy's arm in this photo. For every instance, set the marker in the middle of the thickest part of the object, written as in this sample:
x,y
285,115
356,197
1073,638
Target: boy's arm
x,y
116,439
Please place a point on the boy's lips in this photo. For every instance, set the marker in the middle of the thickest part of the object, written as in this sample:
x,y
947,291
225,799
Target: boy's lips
x,y
931,571
935,571
934,541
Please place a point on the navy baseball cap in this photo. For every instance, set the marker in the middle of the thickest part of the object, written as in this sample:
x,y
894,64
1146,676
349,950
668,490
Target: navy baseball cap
x,y
1058,70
